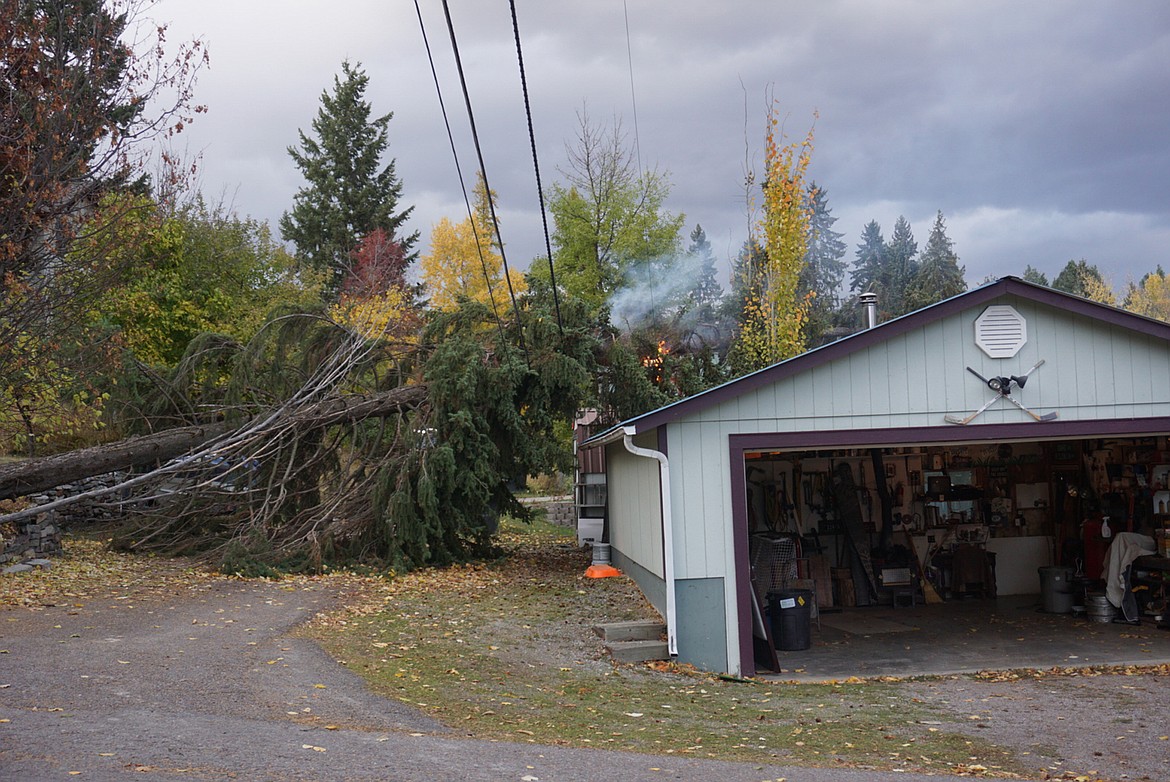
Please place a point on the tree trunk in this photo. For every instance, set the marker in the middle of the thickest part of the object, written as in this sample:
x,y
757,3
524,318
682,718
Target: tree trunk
x,y
36,475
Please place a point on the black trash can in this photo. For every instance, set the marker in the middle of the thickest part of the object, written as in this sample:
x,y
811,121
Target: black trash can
x,y
1056,589
791,613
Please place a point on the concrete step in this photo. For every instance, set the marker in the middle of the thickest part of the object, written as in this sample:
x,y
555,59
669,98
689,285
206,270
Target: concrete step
x,y
631,631
637,651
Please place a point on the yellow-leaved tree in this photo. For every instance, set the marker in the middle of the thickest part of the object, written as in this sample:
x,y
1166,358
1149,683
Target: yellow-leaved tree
x,y
774,314
1151,296
463,260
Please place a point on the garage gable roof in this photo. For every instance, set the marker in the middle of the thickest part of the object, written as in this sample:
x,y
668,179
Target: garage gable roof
x,y
985,294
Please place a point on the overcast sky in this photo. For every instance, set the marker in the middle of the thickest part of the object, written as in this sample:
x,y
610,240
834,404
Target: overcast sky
x,y
1041,130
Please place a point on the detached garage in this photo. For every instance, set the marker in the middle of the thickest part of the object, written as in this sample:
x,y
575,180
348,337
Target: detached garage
x,y
954,453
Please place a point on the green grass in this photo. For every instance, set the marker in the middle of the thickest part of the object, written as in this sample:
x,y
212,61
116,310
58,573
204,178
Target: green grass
x,y
504,650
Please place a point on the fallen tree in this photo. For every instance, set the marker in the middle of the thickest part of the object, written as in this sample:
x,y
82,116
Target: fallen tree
x,y
31,476
154,450
349,448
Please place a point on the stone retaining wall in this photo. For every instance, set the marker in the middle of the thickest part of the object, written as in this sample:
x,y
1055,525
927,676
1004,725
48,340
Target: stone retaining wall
x,y
41,536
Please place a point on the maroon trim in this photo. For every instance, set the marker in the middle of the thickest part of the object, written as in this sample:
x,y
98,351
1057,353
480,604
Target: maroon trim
x,y
1007,286
662,444
1031,430
743,581
739,444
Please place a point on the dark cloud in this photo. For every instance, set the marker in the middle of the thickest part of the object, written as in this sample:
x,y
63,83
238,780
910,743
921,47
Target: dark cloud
x,y
1038,129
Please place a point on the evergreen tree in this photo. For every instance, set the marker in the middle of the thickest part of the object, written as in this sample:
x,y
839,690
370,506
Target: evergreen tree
x,y
939,274
1078,277
869,260
901,269
824,266
1036,276
707,294
349,192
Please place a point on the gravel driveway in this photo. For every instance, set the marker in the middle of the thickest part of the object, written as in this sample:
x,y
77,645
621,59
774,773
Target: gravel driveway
x,y
205,684
1113,726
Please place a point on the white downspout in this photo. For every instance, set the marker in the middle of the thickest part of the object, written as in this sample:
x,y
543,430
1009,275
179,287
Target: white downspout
x,y
667,539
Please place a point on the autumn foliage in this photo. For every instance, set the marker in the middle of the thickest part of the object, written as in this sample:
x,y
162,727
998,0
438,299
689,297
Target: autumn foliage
x,y
464,261
86,94
774,314
376,299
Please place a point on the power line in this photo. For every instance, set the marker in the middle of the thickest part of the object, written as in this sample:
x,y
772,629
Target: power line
x,y
459,171
536,167
483,171
633,97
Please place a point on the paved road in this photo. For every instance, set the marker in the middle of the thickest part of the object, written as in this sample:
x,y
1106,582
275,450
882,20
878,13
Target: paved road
x,y
208,686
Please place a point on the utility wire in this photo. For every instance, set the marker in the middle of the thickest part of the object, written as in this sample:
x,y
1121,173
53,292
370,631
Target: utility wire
x,y
633,97
458,170
483,171
536,167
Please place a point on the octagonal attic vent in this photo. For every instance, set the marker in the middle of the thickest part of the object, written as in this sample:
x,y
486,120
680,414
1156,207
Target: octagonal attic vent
x,y
1000,331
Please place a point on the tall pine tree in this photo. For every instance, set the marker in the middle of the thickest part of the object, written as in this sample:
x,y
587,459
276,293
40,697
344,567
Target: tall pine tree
x,y
1078,278
869,260
706,294
824,266
901,269
349,193
1032,274
939,274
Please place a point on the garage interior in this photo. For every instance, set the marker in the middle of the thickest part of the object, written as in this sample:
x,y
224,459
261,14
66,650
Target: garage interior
x,y
944,558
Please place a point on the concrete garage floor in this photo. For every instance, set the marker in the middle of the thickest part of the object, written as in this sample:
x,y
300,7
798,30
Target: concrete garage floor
x,y
965,636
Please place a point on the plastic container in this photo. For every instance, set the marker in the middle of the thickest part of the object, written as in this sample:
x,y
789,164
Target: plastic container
x,y
791,613
1056,589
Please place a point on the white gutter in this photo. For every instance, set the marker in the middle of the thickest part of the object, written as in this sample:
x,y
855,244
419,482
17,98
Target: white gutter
x,y
667,536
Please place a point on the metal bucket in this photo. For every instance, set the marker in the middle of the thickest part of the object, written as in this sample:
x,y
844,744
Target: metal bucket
x,y
1098,608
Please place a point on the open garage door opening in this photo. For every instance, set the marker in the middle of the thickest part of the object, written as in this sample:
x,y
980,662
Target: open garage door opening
x,y
951,524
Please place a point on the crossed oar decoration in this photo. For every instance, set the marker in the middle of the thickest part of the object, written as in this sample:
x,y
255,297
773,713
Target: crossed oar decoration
x,y
1003,388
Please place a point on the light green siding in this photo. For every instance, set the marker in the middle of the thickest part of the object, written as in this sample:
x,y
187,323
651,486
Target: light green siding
x,y
1091,371
635,504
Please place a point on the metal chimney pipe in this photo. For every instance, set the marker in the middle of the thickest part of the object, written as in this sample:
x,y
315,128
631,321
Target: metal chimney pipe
x,y
869,299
